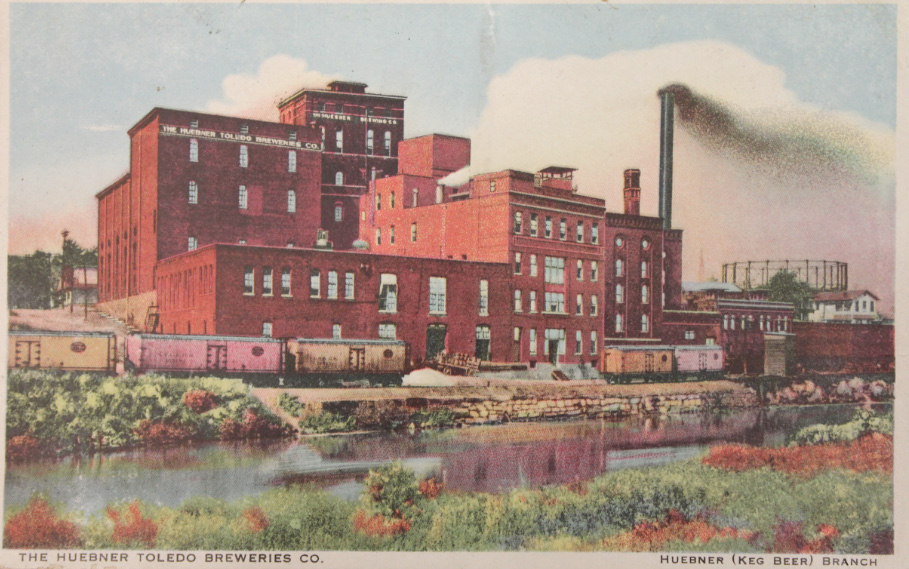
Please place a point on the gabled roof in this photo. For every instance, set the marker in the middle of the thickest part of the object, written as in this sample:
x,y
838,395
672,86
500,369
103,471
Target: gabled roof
x,y
843,295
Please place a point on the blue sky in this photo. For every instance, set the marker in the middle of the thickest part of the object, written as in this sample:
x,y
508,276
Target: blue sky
x,y
81,74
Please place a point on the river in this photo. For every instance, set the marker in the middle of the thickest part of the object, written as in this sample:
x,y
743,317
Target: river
x,y
479,458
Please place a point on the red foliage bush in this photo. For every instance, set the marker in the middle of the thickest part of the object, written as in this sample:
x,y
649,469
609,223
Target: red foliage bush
x,y
653,536
872,452
788,537
38,527
431,488
200,400
380,526
256,518
162,433
135,529
230,430
255,426
22,447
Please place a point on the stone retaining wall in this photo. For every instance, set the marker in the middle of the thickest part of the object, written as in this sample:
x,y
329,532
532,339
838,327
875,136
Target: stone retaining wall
x,y
487,411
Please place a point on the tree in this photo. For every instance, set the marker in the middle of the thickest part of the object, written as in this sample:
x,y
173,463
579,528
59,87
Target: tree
x,y
30,280
785,287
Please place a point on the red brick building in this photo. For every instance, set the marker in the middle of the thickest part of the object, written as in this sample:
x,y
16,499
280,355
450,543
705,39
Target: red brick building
x,y
197,179
432,304
359,136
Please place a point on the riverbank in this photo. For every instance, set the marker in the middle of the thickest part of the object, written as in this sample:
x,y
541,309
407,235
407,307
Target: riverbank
x,y
489,401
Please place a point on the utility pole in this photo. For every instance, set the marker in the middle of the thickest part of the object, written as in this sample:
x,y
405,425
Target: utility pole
x,y
65,234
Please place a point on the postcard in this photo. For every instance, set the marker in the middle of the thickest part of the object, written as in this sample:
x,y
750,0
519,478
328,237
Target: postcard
x,y
452,284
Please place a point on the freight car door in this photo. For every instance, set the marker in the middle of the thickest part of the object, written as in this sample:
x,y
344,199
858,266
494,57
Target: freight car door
x,y
702,362
216,358
356,359
648,362
28,353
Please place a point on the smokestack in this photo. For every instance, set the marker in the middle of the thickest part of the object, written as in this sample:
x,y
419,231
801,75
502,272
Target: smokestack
x,y
667,118
632,192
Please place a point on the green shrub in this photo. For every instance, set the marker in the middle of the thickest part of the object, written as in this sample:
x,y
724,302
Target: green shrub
x,y
863,422
392,491
327,422
290,404
434,418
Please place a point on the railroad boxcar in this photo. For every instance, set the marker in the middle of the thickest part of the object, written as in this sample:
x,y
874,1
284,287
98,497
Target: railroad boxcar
x,y
699,362
76,351
174,353
384,361
625,363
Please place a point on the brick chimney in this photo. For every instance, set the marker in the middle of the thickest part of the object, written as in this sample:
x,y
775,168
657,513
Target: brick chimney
x,y
632,192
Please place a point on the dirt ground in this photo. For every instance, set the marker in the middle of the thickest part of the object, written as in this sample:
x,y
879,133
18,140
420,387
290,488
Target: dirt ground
x,y
63,320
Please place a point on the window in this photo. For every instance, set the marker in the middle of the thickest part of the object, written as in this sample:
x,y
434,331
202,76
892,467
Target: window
x,y
244,156
492,185
191,244
349,286
378,235
292,136
533,225
579,236
339,212
387,144
579,305
378,201
339,179
437,286
643,269
369,141
645,243
518,218
291,201
440,193
518,304
249,280
339,140
593,271
871,305
645,323
285,282
413,232
391,234
619,241
554,334
290,245
580,271
760,323
315,279
482,343
533,301
547,228
533,265
387,331
267,281
732,322
619,294
322,131
593,305
332,284
484,297
595,233
193,192
555,302
619,325
193,150
725,322
645,294
244,129
517,263
563,229
689,334
194,123
619,266
266,329
593,342
555,270
388,293
710,342
241,241
532,334
391,200
242,198
336,331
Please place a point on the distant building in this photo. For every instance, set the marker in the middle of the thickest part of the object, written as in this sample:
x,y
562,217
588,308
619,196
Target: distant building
x,y
845,306
78,286
703,295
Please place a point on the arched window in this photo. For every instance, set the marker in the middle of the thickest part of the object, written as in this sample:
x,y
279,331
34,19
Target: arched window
x,y
643,269
415,196
619,294
339,140
339,178
369,141
645,294
618,267
618,323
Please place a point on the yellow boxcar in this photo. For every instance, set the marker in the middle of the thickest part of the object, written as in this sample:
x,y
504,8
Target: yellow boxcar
x,y
643,360
349,357
76,351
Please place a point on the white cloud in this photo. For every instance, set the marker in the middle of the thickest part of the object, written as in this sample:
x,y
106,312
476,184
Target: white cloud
x,y
602,116
256,96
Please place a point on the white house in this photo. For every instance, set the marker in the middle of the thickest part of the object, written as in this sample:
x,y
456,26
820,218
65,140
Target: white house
x,y
844,306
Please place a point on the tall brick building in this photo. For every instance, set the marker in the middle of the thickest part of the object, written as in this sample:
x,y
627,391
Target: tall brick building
x,y
359,135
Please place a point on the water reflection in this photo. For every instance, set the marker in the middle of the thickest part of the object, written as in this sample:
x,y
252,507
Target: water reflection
x,y
488,459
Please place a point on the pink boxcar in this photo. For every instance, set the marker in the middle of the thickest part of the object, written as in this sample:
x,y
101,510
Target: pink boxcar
x,y
699,359
204,354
